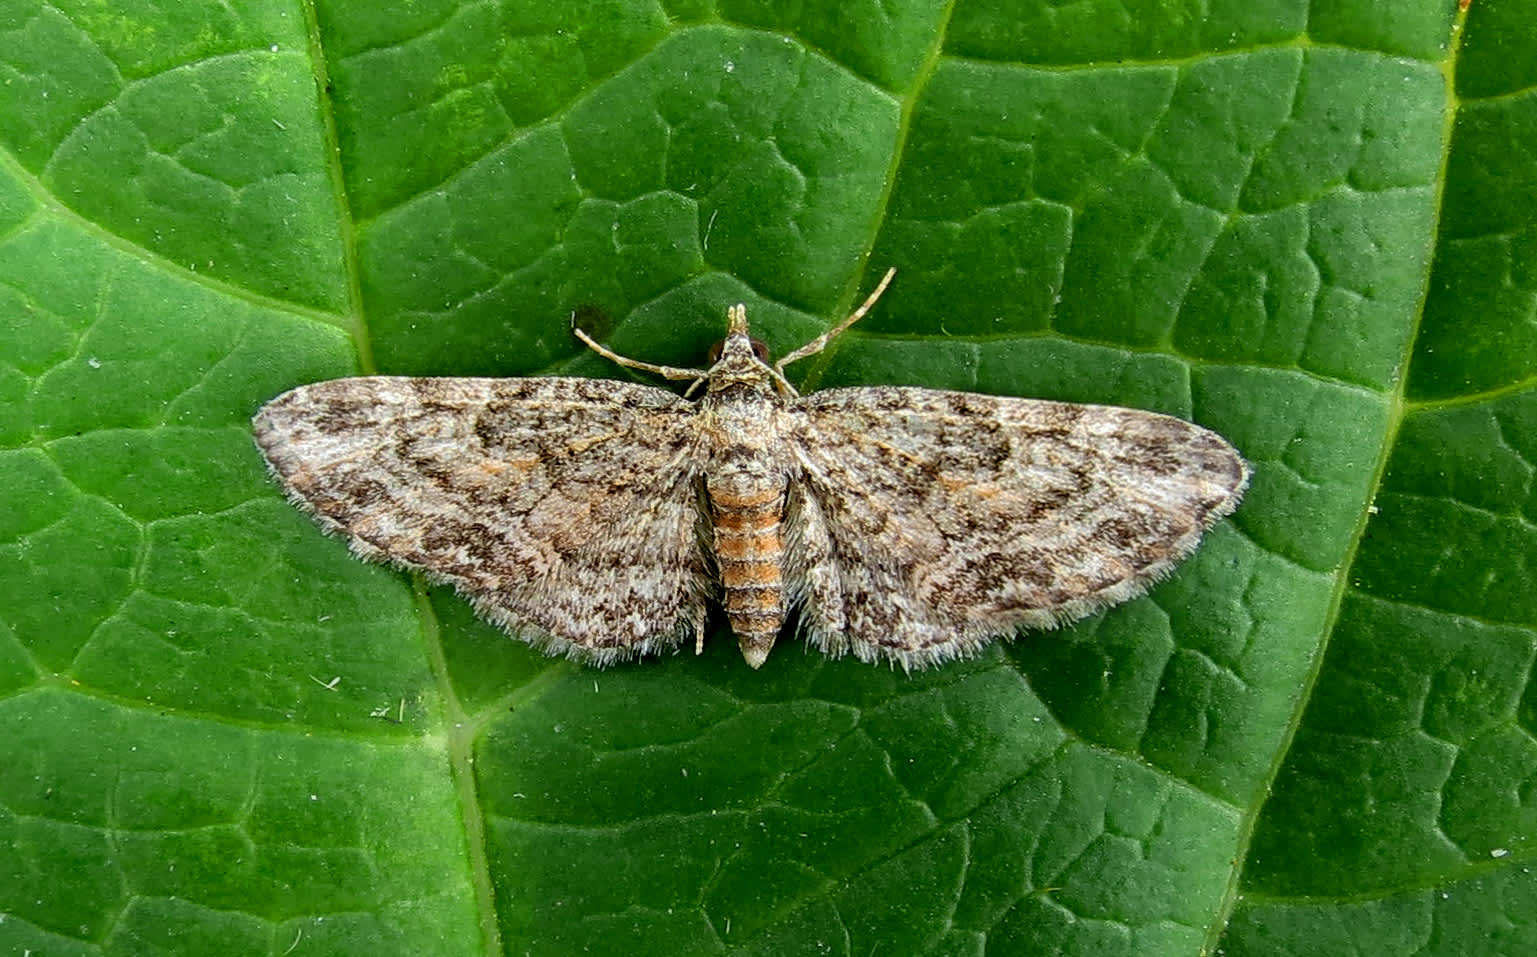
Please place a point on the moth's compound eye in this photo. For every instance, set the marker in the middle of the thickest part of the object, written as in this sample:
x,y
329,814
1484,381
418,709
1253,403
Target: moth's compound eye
x,y
716,350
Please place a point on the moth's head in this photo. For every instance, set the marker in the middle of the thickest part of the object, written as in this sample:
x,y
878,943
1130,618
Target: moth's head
x,y
739,357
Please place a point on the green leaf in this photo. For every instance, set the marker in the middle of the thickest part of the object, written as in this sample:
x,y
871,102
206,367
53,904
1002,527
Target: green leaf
x,y
1309,227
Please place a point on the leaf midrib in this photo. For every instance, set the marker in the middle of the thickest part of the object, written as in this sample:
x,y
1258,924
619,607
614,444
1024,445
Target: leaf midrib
x,y
1398,408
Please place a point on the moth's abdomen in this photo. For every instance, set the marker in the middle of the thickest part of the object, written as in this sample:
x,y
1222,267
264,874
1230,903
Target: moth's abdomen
x,y
748,514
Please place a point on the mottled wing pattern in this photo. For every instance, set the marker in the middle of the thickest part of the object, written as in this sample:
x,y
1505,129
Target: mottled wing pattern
x,y
931,521
566,509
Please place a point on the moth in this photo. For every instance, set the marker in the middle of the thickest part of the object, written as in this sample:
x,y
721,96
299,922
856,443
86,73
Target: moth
x,y
601,519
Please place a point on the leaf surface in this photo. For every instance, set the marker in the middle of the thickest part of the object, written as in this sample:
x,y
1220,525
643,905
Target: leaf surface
x,y
1309,227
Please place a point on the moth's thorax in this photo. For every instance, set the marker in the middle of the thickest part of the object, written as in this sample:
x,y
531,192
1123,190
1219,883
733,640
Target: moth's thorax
x,y
740,414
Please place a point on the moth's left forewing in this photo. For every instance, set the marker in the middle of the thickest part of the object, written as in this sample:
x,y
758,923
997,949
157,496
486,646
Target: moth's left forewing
x,y
564,509
951,517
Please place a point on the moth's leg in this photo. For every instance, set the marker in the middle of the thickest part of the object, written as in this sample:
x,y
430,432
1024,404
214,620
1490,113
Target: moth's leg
x,y
820,342
669,372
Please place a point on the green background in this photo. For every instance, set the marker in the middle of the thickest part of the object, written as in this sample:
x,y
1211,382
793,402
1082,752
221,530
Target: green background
x,y
1311,227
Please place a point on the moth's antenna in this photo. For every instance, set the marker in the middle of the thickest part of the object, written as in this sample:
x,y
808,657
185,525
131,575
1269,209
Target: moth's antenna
x,y
670,372
820,342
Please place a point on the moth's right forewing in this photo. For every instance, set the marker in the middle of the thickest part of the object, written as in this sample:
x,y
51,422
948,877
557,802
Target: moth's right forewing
x,y
938,520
